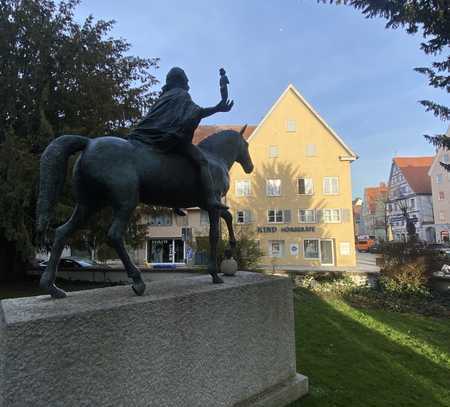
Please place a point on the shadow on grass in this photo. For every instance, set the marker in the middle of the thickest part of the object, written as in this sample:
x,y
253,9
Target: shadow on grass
x,y
350,364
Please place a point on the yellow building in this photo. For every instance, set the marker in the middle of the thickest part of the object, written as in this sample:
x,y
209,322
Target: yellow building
x,y
297,202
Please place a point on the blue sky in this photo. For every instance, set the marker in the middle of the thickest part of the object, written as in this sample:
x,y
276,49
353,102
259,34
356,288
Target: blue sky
x,y
355,73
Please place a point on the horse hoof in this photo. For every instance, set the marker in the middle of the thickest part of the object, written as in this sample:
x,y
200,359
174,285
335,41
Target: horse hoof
x,y
138,288
217,280
56,292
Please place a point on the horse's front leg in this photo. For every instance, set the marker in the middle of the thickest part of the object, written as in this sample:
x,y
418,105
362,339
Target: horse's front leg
x,y
228,218
214,217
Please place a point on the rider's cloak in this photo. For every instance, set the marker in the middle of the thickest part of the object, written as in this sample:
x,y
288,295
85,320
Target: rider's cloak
x,y
170,122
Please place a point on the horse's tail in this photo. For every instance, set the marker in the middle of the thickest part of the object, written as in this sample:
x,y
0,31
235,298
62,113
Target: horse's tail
x,y
53,168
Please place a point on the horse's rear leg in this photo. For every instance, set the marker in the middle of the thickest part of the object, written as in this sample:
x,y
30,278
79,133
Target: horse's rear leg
x,y
228,218
214,218
115,236
62,233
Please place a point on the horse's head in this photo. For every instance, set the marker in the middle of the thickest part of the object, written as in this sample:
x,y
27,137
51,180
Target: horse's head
x,y
229,146
243,156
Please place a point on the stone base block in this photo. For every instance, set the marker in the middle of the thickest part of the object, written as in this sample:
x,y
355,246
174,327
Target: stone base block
x,y
186,342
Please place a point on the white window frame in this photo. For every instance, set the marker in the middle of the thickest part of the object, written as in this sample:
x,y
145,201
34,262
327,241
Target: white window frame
x,y
280,243
243,191
329,180
439,179
276,212
269,187
331,218
311,183
318,249
274,151
313,211
311,150
291,126
245,216
163,215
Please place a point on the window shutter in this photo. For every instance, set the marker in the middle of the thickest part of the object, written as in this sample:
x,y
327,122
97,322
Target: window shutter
x,y
287,216
345,215
319,216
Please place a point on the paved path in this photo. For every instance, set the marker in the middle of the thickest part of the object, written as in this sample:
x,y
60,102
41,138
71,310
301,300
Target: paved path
x,y
366,262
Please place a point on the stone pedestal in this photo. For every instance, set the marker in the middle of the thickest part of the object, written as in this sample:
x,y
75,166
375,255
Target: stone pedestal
x,y
186,342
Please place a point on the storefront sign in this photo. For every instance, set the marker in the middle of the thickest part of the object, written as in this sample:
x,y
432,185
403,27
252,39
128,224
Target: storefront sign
x,y
273,229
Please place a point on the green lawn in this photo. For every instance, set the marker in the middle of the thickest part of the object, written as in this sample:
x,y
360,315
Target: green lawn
x,y
365,357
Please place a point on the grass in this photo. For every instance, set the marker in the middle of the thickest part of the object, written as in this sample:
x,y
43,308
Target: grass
x,y
366,357
352,356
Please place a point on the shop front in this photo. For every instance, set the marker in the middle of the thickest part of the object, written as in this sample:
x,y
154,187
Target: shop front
x,y
165,251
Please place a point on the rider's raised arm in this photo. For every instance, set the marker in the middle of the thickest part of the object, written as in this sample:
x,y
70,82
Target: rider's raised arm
x,y
220,107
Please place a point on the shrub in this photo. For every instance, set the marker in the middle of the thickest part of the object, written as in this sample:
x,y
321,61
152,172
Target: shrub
x,y
247,252
405,279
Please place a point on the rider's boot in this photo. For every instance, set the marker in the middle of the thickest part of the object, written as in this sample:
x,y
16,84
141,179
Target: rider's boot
x,y
212,200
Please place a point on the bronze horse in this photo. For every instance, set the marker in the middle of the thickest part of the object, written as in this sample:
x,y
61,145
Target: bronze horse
x,y
121,173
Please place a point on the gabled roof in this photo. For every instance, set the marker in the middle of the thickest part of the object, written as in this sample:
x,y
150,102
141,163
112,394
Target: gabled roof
x,y
415,170
372,195
437,157
203,132
351,155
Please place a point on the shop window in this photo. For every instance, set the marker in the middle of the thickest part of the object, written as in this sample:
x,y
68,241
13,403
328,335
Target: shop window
x,y
243,188
276,248
161,219
305,186
311,249
307,216
331,185
331,215
273,151
275,216
273,187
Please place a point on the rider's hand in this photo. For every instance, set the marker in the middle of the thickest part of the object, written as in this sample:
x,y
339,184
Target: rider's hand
x,y
225,106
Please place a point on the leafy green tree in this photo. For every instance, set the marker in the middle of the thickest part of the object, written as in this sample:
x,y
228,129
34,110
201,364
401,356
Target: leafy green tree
x,y
57,77
432,19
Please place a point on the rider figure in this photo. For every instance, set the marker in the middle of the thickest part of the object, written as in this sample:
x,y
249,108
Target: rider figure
x,y
170,124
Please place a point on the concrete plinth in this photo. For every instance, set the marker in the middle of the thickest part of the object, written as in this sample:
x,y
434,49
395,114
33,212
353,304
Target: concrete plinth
x,y
184,343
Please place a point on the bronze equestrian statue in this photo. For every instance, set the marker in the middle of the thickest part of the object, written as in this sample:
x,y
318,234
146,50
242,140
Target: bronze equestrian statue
x,y
158,165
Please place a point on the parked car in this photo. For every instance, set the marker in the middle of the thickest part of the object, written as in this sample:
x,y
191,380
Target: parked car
x,y
363,245
438,248
376,248
74,263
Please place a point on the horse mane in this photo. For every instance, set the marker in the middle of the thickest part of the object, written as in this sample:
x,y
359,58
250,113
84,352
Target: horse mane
x,y
211,142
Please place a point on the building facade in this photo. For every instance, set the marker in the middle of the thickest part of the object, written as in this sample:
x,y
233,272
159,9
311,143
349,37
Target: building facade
x,y
440,187
297,203
374,211
410,187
